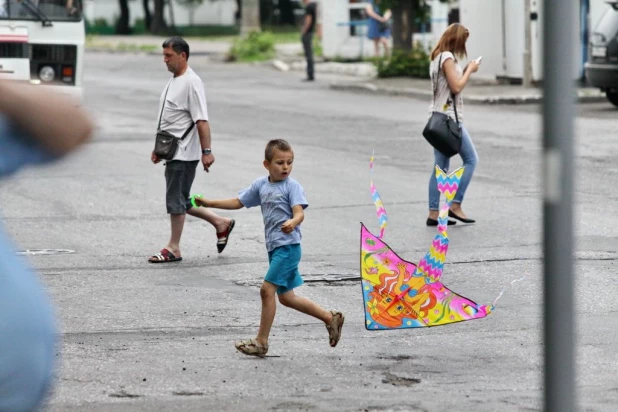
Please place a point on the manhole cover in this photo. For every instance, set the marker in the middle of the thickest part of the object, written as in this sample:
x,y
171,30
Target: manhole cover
x,y
31,252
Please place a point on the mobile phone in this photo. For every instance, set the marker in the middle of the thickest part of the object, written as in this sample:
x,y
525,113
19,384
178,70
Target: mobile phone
x,y
478,61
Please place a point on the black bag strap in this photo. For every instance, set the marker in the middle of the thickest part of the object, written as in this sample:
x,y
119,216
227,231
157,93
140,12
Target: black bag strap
x,y
188,130
163,107
435,88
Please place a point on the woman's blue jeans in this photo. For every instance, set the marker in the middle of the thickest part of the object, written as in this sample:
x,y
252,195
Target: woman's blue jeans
x,y
470,159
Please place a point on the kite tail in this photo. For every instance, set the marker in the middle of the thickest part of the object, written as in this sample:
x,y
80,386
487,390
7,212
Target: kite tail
x,y
448,184
505,288
375,196
432,264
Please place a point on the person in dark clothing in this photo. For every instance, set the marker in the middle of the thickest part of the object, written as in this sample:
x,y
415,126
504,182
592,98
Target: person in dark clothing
x,y
307,35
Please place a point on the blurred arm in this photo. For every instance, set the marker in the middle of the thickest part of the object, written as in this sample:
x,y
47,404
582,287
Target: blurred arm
x,y
52,119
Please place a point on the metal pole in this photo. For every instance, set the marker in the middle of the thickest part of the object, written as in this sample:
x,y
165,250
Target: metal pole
x,y
558,165
527,77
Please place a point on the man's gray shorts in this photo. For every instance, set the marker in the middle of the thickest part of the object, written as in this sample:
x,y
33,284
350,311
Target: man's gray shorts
x,y
179,177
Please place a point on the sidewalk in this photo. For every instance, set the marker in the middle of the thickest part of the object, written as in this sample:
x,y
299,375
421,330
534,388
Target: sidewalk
x,y
216,47
358,77
476,92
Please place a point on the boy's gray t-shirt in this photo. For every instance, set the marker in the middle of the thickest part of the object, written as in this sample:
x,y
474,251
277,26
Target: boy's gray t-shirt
x,y
277,200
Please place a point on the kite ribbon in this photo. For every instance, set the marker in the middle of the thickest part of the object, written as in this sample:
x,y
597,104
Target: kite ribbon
x,y
505,288
375,196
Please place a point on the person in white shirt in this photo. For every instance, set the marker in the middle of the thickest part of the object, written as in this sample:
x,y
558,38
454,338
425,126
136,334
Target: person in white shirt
x,y
183,106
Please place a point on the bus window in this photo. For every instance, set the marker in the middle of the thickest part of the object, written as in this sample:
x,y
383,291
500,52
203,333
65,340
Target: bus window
x,y
52,10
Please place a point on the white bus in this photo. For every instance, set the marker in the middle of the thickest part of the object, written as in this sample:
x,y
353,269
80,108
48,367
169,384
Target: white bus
x,y
42,42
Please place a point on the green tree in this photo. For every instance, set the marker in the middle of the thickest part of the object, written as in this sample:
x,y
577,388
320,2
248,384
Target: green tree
x,y
191,5
122,24
406,14
158,25
250,17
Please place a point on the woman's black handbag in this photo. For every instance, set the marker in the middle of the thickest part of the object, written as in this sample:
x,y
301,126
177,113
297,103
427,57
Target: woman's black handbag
x,y
166,143
441,131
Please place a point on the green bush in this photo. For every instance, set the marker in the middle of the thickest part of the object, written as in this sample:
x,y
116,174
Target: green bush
x,y
207,30
254,47
414,63
99,26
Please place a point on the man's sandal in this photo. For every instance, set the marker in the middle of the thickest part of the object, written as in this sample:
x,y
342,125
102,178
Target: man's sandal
x,y
251,347
334,328
223,237
164,256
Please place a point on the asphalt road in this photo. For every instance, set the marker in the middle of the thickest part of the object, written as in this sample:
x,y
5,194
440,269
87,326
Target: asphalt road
x,y
142,337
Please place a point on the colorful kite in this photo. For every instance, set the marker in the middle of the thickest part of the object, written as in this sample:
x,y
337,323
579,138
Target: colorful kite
x,y
398,294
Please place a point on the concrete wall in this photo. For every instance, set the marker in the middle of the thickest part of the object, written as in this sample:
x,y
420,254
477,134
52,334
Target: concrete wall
x,y
211,12
497,33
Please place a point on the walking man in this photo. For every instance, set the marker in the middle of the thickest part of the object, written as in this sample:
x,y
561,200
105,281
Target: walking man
x,y
183,106
307,35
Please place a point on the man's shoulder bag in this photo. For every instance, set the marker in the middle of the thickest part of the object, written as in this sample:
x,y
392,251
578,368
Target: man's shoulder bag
x,y
166,144
441,131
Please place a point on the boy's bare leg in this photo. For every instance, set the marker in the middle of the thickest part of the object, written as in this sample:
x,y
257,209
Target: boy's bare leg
x,y
269,307
219,222
305,306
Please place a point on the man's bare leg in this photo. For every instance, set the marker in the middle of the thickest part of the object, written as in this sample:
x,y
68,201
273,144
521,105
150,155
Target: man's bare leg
x,y
219,222
178,223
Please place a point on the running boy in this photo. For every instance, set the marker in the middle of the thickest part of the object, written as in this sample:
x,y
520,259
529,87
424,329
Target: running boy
x,y
283,201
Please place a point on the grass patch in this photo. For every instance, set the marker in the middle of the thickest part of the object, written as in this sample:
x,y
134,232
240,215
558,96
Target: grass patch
x,y
93,42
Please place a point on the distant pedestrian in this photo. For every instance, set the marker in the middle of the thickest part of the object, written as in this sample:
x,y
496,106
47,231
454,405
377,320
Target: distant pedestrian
x,y
181,107
36,127
309,23
448,80
283,201
378,30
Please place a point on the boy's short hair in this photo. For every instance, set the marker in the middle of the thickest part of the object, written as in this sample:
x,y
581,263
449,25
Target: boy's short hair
x,y
278,144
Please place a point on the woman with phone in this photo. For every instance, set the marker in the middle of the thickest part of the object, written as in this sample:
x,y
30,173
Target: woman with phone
x,y
448,80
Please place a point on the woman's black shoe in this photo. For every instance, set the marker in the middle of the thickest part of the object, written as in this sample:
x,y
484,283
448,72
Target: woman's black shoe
x,y
434,222
462,219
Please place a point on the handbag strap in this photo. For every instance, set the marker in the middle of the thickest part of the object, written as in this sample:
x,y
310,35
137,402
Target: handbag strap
x,y
435,88
188,130
163,107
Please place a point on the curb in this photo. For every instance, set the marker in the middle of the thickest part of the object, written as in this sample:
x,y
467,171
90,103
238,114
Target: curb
x,y
151,53
366,71
370,88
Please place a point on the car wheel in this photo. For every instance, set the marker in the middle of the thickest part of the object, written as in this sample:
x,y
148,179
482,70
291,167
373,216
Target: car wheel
x,y
612,97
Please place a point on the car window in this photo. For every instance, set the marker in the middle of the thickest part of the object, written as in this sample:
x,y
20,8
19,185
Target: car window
x,y
608,25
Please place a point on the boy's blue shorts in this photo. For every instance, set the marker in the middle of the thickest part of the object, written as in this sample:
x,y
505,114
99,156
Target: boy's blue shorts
x,y
283,269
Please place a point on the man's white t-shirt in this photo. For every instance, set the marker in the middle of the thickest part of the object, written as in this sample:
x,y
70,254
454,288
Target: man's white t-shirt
x,y
185,103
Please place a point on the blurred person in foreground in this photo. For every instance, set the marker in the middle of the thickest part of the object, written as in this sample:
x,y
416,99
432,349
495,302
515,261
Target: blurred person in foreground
x,y
36,127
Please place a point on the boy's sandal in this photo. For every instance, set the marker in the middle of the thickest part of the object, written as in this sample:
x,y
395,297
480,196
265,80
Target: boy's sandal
x,y
164,256
192,198
334,328
223,237
251,347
